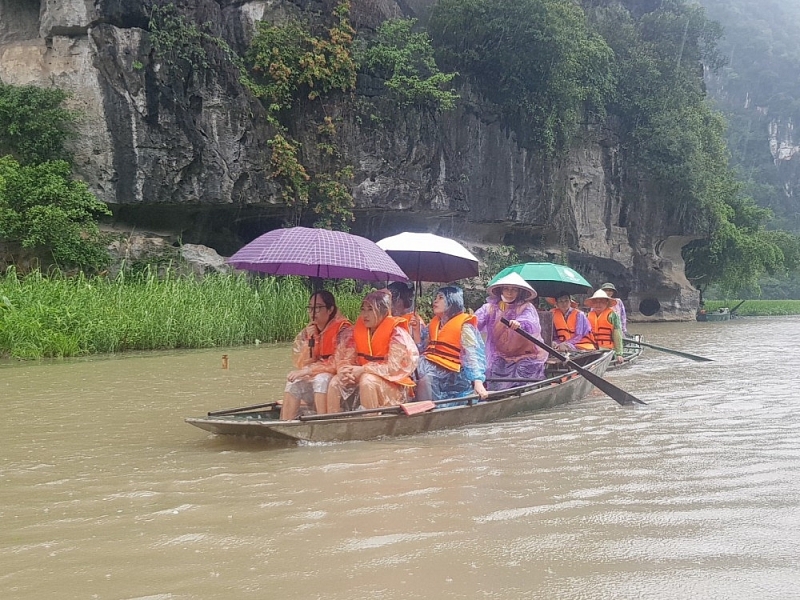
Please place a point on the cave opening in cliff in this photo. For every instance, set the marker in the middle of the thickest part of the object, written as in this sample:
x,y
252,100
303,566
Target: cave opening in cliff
x,y
649,306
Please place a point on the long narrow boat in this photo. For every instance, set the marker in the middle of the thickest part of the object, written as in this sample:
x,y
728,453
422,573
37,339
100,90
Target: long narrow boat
x,y
561,386
721,314
630,352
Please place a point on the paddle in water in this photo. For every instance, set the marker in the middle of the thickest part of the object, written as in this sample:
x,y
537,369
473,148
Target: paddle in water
x,y
694,357
620,395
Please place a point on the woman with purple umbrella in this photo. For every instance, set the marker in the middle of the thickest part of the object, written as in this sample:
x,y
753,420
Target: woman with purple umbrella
x,y
317,352
508,354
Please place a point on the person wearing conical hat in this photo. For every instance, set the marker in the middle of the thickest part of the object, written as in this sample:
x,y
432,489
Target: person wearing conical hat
x,y
606,325
508,354
619,307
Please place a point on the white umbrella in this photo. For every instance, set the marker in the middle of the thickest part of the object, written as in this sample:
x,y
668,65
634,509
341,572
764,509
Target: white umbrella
x,y
429,257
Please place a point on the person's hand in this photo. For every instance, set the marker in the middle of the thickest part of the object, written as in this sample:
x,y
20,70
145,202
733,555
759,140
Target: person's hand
x,y
562,347
620,359
514,324
479,388
296,375
350,374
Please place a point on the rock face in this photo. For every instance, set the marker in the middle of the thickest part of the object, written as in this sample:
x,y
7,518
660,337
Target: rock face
x,y
172,146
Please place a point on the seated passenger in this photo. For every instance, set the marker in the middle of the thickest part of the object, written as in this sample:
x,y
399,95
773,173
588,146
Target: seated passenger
x,y
316,352
605,323
453,364
619,307
571,328
403,307
508,354
379,370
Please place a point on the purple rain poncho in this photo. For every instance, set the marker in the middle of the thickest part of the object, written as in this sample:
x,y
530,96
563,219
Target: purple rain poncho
x,y
504,357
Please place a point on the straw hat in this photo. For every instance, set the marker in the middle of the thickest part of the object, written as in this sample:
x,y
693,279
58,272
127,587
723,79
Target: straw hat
x,y
599,295
608,286
514,279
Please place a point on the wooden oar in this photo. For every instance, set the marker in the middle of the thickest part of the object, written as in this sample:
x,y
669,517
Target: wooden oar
x,y
735,308
231,411
694,357
620,395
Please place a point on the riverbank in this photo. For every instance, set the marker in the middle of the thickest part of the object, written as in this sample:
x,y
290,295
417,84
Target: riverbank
x,y
758,308
54,316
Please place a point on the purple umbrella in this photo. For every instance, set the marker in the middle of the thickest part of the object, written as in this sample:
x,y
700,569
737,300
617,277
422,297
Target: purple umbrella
x,y
317,253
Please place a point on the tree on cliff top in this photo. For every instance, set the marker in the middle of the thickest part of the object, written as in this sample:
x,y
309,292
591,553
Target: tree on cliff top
x,y
537,60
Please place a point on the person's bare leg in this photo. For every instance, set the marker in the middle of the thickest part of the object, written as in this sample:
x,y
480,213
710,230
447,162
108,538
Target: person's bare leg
x,y
291,407
321,402
334,396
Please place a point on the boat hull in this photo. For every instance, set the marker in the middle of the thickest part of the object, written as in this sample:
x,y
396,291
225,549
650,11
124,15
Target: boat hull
x,y
714,316
552,392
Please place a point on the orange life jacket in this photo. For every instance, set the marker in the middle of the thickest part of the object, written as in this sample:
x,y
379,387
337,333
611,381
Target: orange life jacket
x,y
602,328
375,347
444,346
325,342
407,318
565,329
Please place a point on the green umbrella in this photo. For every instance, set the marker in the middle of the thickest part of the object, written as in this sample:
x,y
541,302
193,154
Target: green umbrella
x,y
548,279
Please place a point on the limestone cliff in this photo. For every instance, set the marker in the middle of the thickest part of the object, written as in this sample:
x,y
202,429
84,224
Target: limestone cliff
x,y
172,147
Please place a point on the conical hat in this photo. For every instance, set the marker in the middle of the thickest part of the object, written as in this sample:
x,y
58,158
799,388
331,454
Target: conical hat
x,y
526,291
599,295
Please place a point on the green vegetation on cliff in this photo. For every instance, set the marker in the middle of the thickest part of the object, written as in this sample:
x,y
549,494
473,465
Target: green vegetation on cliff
x,y
42,207
537,60
403,58
637,65
289,66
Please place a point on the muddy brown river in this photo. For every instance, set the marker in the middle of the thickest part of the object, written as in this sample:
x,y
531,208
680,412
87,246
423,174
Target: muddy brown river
x,y
105,493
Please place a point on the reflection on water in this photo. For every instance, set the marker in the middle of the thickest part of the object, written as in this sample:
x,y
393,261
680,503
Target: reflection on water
x,y
106,493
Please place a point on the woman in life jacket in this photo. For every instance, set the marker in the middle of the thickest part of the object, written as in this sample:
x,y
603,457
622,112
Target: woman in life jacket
x,y
383,358
316,353
453,364
619,308
571,328
508,354
606,325
403,307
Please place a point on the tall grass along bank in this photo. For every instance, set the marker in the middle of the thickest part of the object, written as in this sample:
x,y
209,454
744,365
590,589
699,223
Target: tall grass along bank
x,y
56,316
758,308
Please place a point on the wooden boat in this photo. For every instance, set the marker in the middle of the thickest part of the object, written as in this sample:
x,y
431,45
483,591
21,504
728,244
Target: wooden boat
x,y
721,314
562,385
630,352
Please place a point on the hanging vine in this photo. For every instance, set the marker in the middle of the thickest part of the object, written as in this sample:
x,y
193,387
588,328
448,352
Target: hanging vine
x,y
289,65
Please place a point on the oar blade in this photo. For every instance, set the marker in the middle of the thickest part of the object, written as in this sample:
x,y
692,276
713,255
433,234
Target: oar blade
x,y
621,396
693,357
